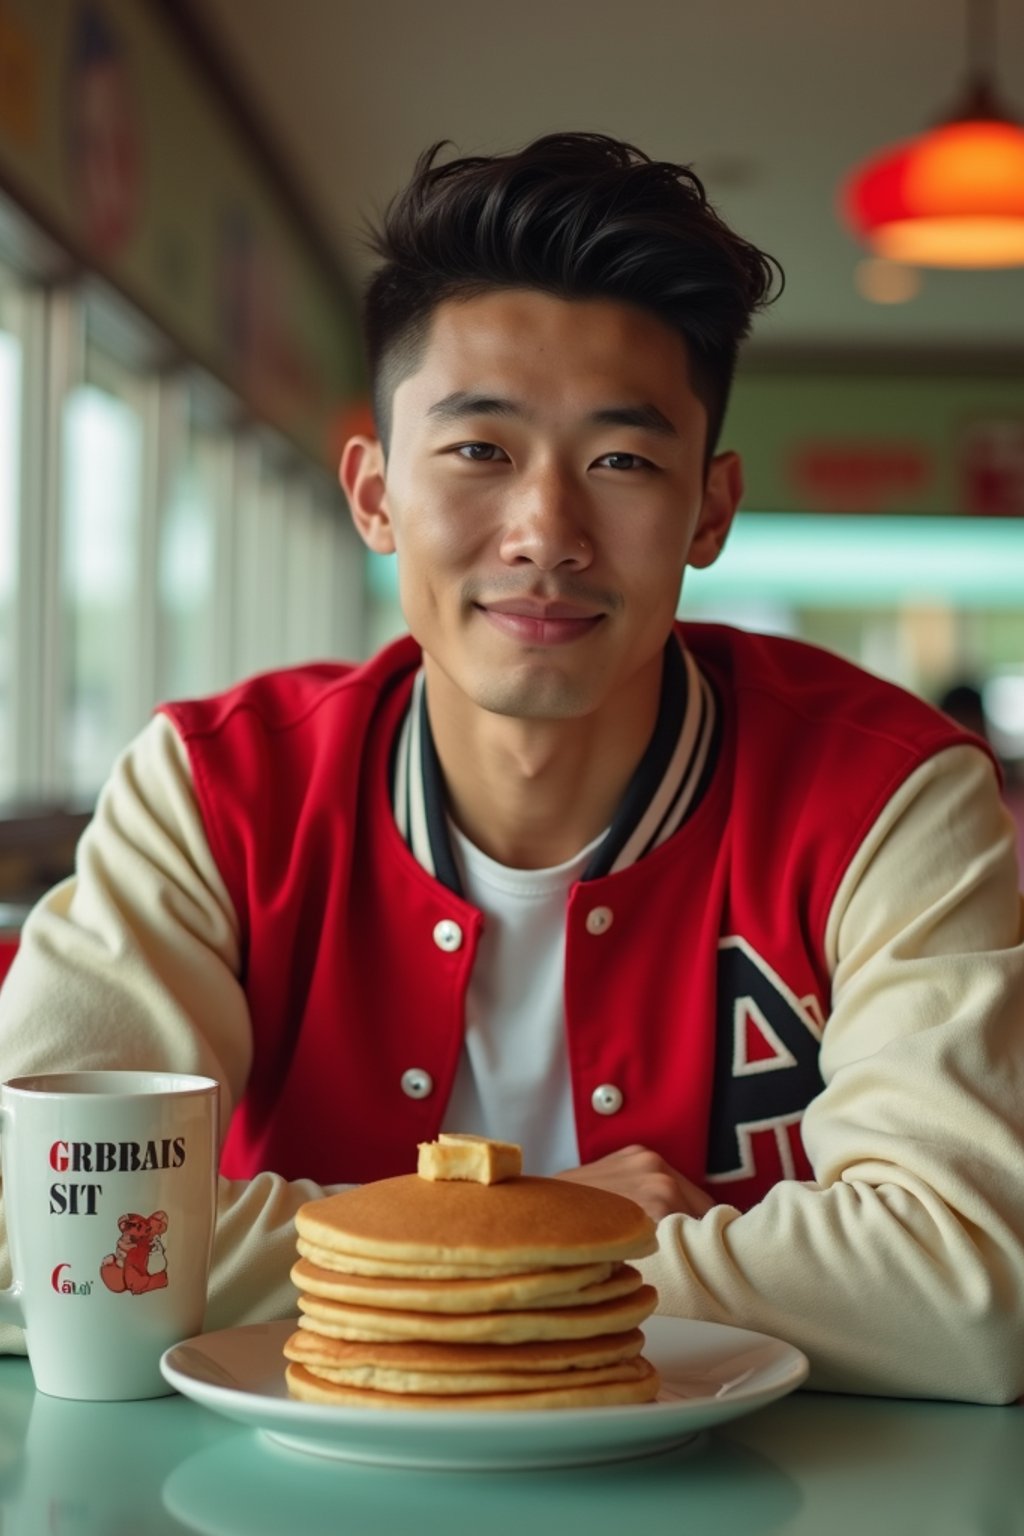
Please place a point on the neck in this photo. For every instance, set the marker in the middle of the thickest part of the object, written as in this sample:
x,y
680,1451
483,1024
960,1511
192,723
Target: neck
x,y
531,793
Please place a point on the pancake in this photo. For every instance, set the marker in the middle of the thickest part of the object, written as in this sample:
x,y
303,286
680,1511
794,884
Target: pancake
x,y
395,1269
315,1350
540,1222
377,1378
467,1286
578,1286
308,1388
341,1320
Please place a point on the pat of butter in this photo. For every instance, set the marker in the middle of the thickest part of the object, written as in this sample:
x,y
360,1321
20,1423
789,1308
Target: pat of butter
x,y
474,1158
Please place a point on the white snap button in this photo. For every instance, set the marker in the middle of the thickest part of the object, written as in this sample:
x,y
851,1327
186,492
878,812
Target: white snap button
x,y
447,935
607,1099
600,919
417,1084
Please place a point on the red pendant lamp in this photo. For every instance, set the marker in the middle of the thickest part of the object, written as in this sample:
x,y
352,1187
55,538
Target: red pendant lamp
x,y
954,196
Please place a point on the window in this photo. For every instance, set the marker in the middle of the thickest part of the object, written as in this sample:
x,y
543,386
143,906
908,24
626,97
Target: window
x,y
194,553
260,554
155,542
10,486
319,621
102,437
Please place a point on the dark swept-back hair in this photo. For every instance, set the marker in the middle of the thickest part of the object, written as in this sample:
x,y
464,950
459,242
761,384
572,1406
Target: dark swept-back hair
x,y
576,215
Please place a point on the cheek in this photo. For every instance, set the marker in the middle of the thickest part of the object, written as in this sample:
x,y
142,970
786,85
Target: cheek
x,y
429,558
650,552
441,531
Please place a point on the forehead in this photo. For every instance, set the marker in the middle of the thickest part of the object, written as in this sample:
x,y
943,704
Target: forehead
x,y
519,340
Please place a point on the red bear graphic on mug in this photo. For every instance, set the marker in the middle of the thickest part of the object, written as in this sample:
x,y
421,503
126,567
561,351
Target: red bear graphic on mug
x,y
139,1262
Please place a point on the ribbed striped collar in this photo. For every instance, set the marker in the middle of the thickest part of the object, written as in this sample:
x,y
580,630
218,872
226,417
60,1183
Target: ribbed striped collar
x,y
667,786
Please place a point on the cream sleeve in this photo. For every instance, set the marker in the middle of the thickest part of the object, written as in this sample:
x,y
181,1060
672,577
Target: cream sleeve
x,y
900,1270
133,962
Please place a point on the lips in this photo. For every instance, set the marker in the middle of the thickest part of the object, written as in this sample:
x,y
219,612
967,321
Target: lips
x,y
532,608
539,623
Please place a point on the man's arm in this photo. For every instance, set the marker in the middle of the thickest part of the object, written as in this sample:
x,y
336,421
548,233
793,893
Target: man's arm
x,y
901,1269
134,963
641,1174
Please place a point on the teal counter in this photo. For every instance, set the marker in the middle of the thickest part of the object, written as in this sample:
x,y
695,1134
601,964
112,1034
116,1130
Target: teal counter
x,y
814,1464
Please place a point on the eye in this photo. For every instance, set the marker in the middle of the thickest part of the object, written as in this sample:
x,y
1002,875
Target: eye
x,y
623,461
481,453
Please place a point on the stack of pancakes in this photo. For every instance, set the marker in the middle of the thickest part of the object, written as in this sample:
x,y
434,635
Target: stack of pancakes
x,y
457,1294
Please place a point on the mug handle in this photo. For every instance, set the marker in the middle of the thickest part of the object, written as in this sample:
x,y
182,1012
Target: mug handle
x,y
11,1309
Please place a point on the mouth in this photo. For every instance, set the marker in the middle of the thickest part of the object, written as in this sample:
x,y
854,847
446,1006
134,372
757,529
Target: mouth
x,y
539,623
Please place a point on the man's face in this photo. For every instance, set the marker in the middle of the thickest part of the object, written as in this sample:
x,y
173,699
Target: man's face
x,y
544,491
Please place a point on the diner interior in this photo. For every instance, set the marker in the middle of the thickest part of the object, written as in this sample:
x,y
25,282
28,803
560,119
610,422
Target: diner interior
x,y
184,190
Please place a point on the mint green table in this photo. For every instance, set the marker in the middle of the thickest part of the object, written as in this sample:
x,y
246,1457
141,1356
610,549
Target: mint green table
x,y
824,1466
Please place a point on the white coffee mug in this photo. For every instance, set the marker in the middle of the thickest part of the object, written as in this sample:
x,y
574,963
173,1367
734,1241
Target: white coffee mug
x,y
110,1193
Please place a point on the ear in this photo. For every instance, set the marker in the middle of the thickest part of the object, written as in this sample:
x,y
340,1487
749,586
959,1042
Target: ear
x,y
723,487
123,1222
362,476
158,1222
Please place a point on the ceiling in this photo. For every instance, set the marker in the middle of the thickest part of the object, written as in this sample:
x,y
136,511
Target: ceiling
x,y
771,101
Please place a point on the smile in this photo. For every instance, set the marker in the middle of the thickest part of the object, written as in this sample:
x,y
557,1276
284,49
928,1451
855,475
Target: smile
x,y
553,626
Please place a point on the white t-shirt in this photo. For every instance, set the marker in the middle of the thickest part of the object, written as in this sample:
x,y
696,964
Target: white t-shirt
x,y
512,1081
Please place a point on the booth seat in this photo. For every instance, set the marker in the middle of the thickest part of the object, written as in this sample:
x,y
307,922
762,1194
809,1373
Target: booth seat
x,y
11,918
8,950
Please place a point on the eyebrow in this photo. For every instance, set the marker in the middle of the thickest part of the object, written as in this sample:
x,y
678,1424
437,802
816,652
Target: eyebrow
x,y
647,417
461,403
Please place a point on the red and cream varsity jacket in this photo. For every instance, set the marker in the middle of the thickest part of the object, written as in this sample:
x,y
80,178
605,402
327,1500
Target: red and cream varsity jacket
x,y
702,1000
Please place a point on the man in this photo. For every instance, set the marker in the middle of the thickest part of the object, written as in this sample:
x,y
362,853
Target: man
x,y
715,920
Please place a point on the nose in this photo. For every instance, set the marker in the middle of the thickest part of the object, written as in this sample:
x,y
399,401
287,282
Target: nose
x,y
547,525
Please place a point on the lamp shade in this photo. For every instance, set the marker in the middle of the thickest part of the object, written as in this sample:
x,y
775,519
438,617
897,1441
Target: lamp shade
x,y
952,197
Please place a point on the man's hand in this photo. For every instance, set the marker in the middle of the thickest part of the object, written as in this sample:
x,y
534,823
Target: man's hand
x,y
643,1176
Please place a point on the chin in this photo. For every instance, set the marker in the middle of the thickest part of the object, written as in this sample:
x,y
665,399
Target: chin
x,y
533,698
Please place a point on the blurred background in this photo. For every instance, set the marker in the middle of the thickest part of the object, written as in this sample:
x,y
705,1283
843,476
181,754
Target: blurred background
x,y
183,188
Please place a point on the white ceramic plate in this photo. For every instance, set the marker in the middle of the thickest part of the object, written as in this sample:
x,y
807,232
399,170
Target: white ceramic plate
x,y
709,1373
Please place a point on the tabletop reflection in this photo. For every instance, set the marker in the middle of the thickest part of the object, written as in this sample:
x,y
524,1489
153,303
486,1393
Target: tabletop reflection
x,y
810,1465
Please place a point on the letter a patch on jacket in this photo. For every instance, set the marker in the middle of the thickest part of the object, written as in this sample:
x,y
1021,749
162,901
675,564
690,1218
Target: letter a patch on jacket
x,y
766,1062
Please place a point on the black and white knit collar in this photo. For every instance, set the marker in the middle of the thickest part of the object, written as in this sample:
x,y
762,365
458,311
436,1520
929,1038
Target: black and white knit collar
x,y
667,786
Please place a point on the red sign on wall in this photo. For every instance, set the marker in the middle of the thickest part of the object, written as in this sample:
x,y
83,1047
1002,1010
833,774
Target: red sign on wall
x,y
991,465
852,476
104,133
